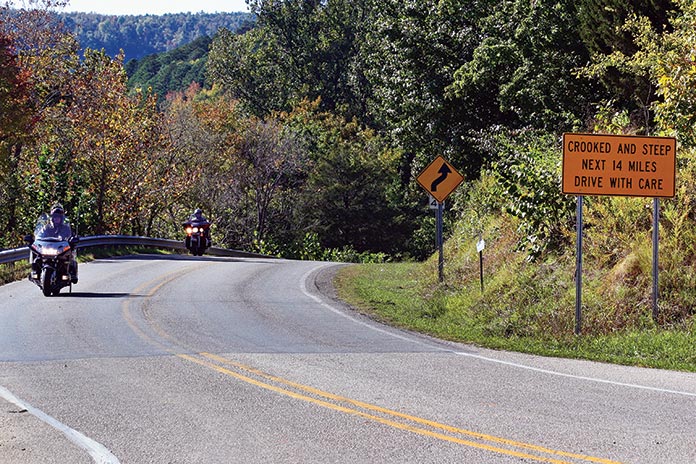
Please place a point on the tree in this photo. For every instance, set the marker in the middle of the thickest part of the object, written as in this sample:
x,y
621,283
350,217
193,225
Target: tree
x,y
349,196
45,55
527,65
674,73
602,27
667,62
298,49
269,159
253,69
14,93
412,53
15,121
171,71
120,148
205,128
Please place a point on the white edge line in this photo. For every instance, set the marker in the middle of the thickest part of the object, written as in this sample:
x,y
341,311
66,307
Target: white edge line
x,y
97,451
303,287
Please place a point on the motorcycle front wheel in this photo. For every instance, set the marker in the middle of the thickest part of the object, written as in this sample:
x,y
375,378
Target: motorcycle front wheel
x,y
46,278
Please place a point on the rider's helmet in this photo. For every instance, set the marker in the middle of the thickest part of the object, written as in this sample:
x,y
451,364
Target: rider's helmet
x,y
198,213
57,214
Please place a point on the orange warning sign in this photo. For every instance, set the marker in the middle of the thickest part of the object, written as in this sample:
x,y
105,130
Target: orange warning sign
x,y
595,164
439,179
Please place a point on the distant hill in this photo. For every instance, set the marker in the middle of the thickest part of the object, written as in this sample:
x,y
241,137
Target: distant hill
x,y
143,35
172,70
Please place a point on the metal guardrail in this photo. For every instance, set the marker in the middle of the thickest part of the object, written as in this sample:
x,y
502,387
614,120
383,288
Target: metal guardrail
x,y
22,253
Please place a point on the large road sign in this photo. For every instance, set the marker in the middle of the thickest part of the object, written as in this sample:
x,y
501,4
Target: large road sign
x,y
595,164
440,179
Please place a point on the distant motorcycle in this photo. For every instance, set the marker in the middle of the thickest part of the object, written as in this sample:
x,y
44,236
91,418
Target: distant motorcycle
x,y
50,256
197,236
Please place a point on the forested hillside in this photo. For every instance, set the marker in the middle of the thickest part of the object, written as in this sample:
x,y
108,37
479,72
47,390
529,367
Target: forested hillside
x,y
171,71
142,35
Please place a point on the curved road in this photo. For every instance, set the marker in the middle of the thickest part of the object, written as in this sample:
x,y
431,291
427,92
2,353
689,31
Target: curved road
x,y
215,360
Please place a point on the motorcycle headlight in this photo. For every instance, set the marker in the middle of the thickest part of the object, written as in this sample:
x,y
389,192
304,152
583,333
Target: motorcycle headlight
x,y
189,230
55,251
195,229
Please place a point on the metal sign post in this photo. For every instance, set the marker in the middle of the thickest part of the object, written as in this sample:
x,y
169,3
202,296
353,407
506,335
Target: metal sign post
x,y
656,255
440,258
480,246
439,179
578,268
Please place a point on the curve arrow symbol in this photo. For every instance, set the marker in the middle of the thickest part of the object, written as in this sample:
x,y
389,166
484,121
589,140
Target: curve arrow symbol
x,y
444,172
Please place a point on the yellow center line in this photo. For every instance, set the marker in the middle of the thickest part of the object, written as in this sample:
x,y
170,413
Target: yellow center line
x,y
406,416
371,417
156,284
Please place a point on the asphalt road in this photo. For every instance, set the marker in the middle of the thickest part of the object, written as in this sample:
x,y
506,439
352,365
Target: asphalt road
x,y
220,360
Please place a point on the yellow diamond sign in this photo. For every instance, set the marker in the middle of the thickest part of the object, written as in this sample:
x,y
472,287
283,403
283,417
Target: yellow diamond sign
x,y
439,179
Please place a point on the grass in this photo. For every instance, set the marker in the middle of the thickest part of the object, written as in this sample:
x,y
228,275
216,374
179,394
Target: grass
x,y
525,307
13,271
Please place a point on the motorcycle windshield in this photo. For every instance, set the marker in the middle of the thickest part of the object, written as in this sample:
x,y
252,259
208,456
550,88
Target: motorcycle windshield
x,y
51,230
197,223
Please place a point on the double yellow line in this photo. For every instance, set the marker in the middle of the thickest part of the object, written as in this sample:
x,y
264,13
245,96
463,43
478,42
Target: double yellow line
x,y
367,411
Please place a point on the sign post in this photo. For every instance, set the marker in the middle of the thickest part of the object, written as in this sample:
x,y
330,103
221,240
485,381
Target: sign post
x,y
598,164
480,246
440,244
578,267
656,255
439,179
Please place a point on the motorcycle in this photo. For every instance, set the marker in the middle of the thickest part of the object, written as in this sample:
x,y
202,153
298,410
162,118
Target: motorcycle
x,y
50,255
197,236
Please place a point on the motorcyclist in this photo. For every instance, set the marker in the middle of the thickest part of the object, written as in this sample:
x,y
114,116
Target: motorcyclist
x,y
58,227
197,218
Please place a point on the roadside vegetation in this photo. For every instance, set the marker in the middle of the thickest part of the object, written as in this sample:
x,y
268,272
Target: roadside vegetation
x,y
528,299
529,306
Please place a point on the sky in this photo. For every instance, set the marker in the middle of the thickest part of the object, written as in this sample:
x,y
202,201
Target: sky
x,y
155,7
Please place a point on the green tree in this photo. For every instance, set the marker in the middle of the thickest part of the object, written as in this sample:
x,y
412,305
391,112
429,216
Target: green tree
x,y
527,65
602,26
674,72
298,49
350,196
253,69
412,52
171,71
528,174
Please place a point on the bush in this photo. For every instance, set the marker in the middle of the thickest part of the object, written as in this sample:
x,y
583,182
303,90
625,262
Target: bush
x,y
528,170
